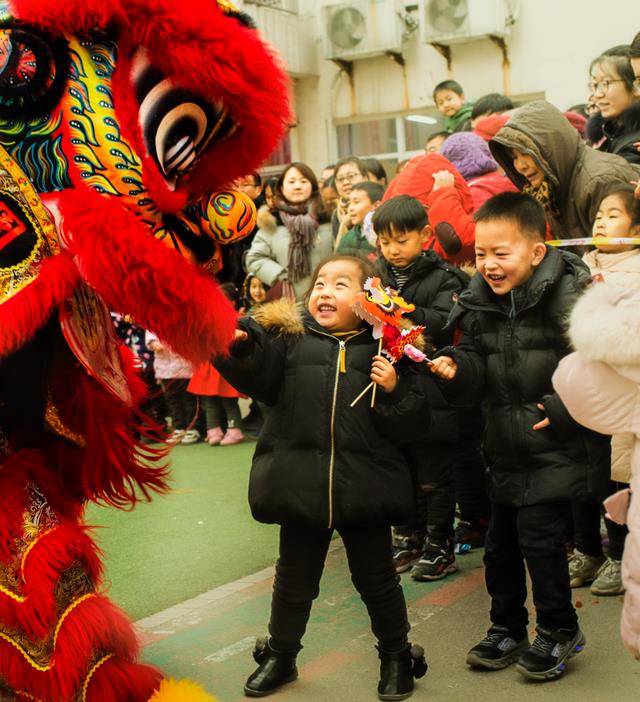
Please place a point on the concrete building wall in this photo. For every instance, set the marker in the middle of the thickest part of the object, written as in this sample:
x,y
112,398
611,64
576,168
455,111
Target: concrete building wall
x,y
550,48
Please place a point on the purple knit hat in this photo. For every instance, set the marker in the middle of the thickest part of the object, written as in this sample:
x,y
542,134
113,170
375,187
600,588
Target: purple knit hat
x,y
469,153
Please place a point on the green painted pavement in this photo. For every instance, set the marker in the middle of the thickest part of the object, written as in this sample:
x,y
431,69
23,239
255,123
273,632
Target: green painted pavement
x,y
196,538
161,554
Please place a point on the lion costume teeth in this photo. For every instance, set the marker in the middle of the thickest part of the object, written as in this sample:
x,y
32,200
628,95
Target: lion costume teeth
x,y
120,125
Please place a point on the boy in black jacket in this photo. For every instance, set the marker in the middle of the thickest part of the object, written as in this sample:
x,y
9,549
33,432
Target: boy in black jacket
x,y
432,285
514,316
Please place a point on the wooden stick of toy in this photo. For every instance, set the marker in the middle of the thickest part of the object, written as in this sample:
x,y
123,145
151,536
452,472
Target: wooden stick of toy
x,y
362,394
375,387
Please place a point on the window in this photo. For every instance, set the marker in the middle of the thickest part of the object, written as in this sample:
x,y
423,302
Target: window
x,y
279,158
367,138
389,139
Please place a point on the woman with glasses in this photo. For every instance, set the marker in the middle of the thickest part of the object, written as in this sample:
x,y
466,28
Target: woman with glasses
x,y
349,171
616,93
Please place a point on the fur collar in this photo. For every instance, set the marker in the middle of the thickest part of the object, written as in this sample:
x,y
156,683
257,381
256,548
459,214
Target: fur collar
x,y
267,221
605,325
283,316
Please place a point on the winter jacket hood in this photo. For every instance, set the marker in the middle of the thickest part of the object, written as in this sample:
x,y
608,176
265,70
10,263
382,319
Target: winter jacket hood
x,y
451,240
605,326
579,176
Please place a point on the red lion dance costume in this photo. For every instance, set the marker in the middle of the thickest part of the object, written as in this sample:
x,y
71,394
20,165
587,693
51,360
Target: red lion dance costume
x,y
120,123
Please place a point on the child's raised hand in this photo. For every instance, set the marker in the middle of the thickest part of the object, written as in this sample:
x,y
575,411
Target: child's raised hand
x,y
239,336
443,179
546,422
444,367
384,374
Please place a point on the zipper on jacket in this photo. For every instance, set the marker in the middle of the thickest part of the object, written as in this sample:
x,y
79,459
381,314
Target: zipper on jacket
x,y
341,362
343,358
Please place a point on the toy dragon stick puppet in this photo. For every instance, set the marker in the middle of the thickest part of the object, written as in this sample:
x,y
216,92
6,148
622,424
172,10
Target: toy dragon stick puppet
x,y
120,124
384,309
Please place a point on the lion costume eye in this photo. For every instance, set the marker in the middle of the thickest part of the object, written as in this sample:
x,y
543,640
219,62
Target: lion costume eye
x,y
177,125
33,68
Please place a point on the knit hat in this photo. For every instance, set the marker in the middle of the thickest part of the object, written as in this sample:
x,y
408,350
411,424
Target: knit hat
x,y
488,127
470,154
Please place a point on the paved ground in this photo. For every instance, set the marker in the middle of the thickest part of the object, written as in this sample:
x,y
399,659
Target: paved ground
x,y
208,637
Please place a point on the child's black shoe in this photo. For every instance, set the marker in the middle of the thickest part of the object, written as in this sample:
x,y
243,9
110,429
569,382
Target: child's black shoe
x,y
549,653
398,670
497,650
406,551
275,669
437,561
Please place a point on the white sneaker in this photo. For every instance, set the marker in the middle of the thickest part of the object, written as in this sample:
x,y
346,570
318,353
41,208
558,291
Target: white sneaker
x,y
176,437
191,436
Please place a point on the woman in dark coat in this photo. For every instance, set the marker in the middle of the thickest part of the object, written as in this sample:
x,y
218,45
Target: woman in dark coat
x,y
616,127
546,158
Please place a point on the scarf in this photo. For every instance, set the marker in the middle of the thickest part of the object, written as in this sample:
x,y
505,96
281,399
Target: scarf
x,y
302,226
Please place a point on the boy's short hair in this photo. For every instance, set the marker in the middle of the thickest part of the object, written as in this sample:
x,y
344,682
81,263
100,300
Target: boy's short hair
x,y
635,47
491,104
523,210
374,191
448,85
400,214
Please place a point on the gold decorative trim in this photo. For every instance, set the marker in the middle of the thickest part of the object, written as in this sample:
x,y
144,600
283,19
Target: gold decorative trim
x,y
55,423
92,672
28,656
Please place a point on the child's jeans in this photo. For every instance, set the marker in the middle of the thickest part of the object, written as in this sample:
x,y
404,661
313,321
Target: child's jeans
x,y
298,571
535,534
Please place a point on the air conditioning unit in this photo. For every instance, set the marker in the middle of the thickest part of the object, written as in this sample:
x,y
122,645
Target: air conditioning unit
x,y
458,21
362,28
285,5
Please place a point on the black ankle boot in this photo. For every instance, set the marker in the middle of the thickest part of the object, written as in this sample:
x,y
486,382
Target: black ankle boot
x,y
275,668
397,671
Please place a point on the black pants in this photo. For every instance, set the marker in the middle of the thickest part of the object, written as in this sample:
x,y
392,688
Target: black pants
x,y
298,571
181,404
586,527
221,411
534,534
432,466
470,471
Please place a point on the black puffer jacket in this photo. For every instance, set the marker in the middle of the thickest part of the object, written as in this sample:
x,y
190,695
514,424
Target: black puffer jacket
x,y
509,351
433,287
622,134
318,461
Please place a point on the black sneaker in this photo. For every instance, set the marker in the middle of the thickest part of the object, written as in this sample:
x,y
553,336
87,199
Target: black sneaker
x,y
437,561
497,650
406,551
470,535
547,658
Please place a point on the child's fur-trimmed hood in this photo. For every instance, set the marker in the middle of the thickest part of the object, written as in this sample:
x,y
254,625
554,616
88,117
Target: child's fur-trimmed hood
x,y
283,315
605,325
